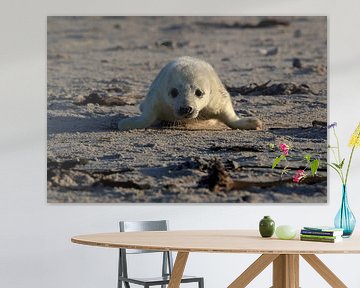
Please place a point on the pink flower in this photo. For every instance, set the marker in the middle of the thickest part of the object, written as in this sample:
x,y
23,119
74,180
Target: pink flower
x,y
284,148
299,175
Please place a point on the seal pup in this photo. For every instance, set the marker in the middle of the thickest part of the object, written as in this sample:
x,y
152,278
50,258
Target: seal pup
x,y
185,89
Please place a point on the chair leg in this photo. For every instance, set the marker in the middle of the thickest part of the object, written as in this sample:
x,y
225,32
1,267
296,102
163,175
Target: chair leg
x,y
201,283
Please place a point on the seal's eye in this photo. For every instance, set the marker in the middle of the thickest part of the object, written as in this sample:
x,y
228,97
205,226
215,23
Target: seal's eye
x,y
198,93
174,92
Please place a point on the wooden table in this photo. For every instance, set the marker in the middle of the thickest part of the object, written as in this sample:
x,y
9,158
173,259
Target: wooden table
x,y
284,254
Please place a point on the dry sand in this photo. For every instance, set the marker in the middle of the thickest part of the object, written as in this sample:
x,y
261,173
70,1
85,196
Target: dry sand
x,y
99,69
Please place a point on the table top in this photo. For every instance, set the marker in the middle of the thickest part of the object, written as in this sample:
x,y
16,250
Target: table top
x,y
217,241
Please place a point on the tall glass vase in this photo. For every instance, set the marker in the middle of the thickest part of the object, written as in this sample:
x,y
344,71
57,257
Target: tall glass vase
x,y
345,219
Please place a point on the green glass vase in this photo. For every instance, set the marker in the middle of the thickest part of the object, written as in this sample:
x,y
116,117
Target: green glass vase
x,y
266,226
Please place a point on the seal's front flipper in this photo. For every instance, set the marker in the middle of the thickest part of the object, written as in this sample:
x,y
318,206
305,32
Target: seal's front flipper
x,y
230,118
248,123
138,122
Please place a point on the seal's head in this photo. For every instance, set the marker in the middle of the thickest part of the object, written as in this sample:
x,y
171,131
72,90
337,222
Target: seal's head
x,y
188,88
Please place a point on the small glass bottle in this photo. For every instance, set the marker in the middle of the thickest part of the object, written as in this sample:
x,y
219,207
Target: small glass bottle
x,y
267,227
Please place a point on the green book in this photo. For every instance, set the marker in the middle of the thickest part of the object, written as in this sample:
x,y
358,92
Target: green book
x,y
319,236
325,240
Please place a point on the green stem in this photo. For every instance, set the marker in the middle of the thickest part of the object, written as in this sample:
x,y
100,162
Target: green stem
x,y
340,159
348,167
333,152
338,146
337,171
351,155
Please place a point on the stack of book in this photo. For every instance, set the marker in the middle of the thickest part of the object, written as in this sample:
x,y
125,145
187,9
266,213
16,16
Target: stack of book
x,y
321,234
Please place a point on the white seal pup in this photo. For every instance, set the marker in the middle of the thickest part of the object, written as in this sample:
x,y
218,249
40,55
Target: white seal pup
x,y
187,88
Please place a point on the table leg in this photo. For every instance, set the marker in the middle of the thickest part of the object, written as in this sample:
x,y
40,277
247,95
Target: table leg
x,y
178,269
324,271
286,271
253,270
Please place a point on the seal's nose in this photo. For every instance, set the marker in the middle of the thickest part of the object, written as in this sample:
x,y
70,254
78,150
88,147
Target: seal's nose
x,y
186,110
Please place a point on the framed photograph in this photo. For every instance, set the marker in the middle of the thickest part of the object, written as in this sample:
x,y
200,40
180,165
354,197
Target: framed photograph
x,y
187,109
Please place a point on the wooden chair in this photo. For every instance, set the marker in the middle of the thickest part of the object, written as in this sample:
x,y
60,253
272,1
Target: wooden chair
x,y
167,262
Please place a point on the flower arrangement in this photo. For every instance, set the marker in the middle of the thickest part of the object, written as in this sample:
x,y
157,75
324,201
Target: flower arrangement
x,y
339,163
344,218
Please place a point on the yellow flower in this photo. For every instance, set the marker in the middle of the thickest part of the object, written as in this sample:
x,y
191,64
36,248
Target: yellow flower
x,y
355,138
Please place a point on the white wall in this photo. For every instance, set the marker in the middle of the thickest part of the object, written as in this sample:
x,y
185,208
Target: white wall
x,y
35,248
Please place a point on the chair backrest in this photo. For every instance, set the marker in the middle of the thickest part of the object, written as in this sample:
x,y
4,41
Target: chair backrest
x,y
134,226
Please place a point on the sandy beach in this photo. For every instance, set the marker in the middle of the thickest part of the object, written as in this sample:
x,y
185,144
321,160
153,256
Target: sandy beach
x,y
100,69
